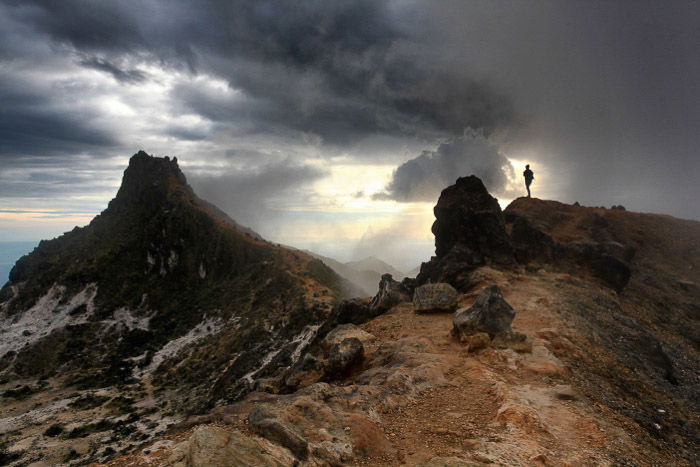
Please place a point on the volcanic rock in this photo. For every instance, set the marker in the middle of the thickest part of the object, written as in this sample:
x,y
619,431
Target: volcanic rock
x,y
570,238
352,311
344,331
390,293
490,314
265,421
469,232
343,356
158,285
216,447
435,298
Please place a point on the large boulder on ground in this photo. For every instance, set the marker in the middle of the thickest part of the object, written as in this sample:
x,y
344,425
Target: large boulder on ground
x,y
490,313
467,214
345,331
390,294
611,270
343,356
267,423
469,229
431,298
216,447
354,311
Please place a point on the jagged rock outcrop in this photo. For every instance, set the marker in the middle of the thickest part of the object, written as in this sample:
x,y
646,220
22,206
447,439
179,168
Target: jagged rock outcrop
x,y
435,298
469,232
390,293
337,354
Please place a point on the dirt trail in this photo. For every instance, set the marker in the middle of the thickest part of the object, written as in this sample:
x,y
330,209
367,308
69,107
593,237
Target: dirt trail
x,y
499,406
490,407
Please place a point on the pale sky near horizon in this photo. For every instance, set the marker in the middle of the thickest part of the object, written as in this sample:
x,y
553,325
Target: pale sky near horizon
x,y
333,125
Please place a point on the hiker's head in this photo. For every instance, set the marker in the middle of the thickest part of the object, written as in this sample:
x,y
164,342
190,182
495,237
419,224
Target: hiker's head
x,y
527,166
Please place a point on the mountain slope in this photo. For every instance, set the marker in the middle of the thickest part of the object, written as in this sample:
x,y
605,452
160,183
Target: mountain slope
x,y
161,289
609,377
604,370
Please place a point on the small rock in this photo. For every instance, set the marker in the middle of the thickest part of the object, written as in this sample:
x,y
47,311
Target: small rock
x,y
440,297
477,341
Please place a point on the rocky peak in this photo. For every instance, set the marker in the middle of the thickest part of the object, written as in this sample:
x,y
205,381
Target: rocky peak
x,y
467,215
469,232
149,178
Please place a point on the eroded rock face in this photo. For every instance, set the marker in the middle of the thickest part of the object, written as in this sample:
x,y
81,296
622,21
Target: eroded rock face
x,y
490,314
390,293
435,298
469,232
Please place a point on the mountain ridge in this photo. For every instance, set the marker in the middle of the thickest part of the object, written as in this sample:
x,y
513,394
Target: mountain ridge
x,y
599,367
596,370
163,291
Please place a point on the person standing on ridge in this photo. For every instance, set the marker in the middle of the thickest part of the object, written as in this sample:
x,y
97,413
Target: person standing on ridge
x,y
529,177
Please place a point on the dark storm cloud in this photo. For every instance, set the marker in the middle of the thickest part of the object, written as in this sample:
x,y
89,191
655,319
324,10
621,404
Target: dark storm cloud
x,y
121,75
422,178
246,195
341,70
602,96
32,123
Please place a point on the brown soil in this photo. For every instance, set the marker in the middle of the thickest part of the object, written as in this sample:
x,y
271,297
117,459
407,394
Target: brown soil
x,y
499,406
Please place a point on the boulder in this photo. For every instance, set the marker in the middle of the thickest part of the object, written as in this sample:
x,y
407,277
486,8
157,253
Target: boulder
x,y
441,297
490,314
467,214
469,232
266,422
344,331
308,370
213,446
390,294
343,356
354,311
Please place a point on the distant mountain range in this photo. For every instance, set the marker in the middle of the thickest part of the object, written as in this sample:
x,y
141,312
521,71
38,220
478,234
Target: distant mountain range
x,y
363,274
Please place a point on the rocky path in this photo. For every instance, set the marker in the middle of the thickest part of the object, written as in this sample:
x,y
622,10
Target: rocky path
x,y
422,399
445,420
499,406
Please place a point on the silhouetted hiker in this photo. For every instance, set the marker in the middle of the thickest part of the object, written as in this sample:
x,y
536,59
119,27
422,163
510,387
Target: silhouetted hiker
x,y
529,177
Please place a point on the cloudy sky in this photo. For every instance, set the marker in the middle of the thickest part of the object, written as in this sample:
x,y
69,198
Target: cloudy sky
x,y
333,125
